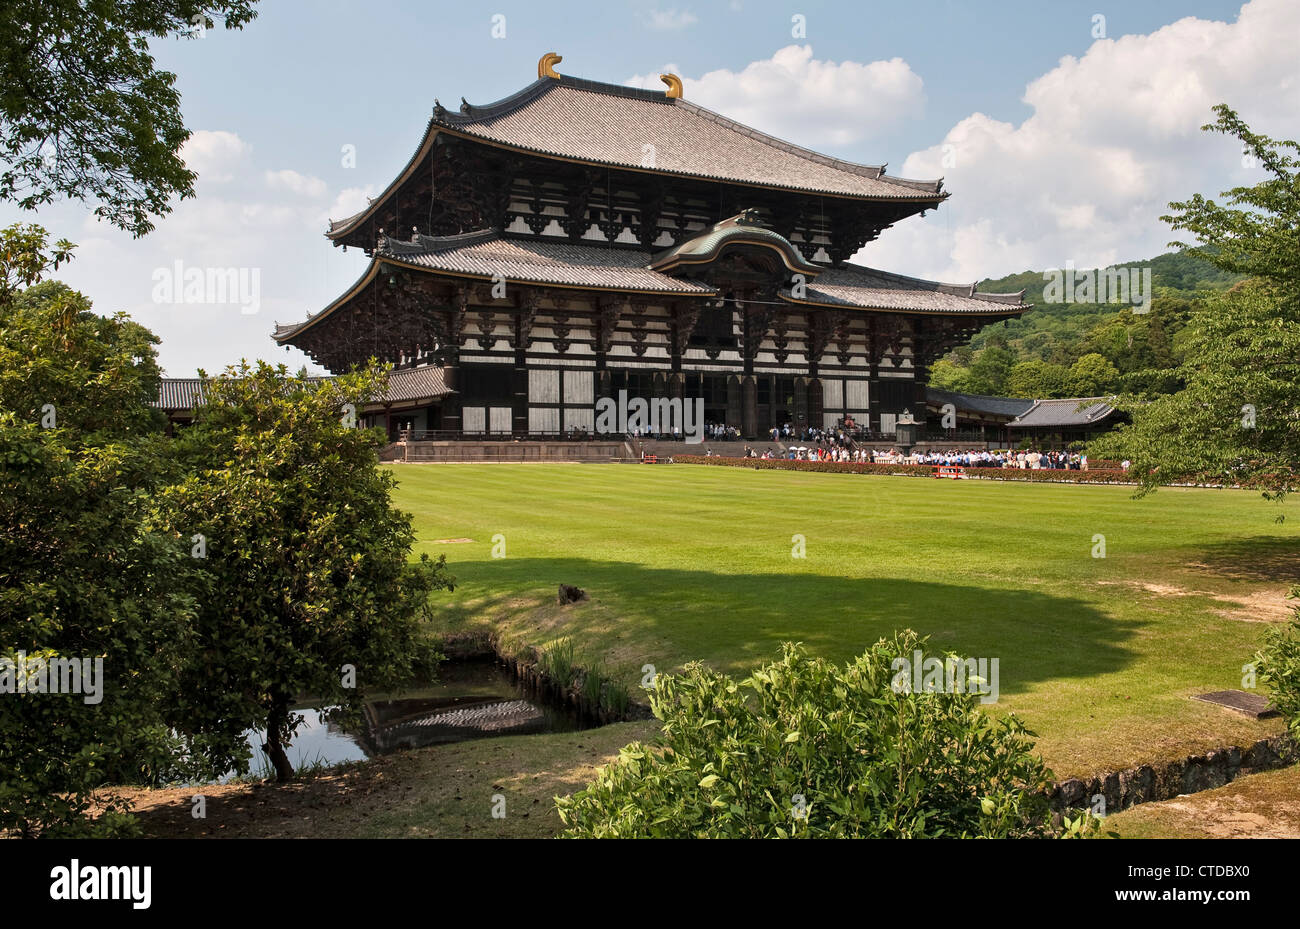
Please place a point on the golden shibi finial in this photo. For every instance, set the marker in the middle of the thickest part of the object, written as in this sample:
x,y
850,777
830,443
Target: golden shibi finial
x,y
546,65
674,84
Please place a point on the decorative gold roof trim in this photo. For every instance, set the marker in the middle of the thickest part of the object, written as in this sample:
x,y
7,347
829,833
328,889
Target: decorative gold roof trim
x,y
546,65
674,85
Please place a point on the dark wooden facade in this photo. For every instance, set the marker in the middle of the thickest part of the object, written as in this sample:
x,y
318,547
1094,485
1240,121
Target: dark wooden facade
x,y
531,277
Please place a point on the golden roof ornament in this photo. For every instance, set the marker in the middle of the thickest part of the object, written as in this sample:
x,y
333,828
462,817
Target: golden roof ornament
x,y
546,65
674,85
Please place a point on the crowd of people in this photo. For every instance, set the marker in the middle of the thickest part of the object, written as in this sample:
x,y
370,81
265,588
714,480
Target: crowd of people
x,y
840,437
1025,460
825,452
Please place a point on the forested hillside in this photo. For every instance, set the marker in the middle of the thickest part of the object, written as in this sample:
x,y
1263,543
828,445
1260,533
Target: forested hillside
x,y
1076,349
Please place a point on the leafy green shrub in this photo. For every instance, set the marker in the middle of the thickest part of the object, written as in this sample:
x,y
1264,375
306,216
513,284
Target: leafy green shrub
x,y
1278,663
806,748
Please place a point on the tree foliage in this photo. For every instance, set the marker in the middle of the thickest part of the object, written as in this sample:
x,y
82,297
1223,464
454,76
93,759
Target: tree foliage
x,y
806,748
304,561
81,575
85,114
1237,419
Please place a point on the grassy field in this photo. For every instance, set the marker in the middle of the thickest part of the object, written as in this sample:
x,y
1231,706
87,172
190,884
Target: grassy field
x,y
1100,655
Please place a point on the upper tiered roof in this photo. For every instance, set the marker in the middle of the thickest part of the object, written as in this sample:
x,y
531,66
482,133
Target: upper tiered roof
x,y
656,132
612,124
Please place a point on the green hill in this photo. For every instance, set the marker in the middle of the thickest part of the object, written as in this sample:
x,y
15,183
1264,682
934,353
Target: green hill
x,y
1060,349
1187,274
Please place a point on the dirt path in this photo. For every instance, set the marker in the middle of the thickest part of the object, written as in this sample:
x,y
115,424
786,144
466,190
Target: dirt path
x,y
1258,806
444,791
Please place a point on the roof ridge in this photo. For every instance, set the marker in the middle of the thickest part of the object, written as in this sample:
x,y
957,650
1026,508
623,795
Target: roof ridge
x,y
472,113
421,243
875,172
956,290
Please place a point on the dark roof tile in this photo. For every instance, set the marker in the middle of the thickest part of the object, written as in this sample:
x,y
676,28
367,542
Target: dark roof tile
x,y
612,124
1075,411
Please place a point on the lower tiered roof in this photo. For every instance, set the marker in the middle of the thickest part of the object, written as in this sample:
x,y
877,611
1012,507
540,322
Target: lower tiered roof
x,y
490,255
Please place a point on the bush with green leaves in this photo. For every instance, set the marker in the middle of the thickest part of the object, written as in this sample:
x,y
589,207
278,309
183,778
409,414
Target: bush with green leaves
x,y
1278,665
807,748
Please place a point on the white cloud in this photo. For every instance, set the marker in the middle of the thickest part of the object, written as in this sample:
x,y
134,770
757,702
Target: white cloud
x,y
297,183
215,154
266,222
1114,136
668,20
798,97
350,201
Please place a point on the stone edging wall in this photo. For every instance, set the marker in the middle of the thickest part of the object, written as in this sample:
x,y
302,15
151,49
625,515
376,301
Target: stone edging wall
x,y
1166,780
527,668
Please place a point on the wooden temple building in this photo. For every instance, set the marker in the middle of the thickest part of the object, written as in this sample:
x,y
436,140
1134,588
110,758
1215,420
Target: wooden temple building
x,y
577,239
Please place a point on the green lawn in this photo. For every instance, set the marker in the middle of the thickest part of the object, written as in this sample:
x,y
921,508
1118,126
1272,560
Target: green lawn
x,y
686,562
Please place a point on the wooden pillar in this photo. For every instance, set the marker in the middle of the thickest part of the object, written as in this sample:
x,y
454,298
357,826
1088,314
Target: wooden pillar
x,y
749,406
735,402
800,401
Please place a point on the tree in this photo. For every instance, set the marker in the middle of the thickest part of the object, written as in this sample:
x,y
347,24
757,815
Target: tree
x,y
944,375
1263,238
83,111
804,748
82,577
1091,376
1237,420
990,369
306,583
1037,380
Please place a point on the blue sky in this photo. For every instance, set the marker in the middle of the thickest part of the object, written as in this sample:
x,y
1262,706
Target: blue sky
x,y
368,72
1057,145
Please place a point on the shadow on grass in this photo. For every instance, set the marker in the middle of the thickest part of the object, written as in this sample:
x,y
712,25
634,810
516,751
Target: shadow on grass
x,y
737,621
1261,558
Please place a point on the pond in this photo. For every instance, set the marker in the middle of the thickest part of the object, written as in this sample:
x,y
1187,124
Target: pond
x,y
472,699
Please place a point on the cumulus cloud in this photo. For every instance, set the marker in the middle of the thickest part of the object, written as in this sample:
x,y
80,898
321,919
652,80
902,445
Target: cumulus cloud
x,y
291,180
215,154
350,201
1114,136
266,223
795,96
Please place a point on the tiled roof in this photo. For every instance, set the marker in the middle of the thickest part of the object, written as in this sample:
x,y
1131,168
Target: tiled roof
x,y
419,383
538,261
857,286
1075,411
612,124
978,403
179,394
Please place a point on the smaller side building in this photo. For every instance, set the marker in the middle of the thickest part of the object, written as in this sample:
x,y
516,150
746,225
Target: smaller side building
x,y
1007,422
412,402
1059,424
